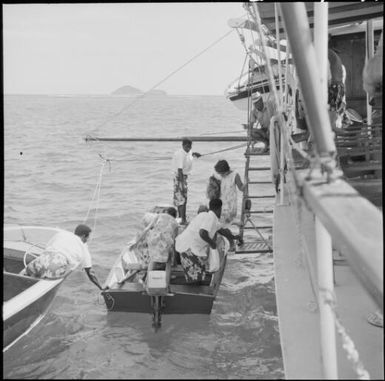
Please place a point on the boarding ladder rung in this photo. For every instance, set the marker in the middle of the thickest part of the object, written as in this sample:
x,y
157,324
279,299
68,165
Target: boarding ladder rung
x,y
261,244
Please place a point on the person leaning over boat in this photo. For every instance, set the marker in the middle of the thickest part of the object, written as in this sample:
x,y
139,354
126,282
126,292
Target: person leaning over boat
x,y
64,252
182,165
154,246
194,242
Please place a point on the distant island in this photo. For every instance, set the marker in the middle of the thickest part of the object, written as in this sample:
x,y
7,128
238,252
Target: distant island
x,y
133,91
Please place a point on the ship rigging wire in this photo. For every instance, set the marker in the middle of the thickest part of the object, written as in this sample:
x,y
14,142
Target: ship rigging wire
x,y
163,80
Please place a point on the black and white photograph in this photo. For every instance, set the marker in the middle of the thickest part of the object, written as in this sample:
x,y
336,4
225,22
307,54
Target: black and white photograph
x,y
193,190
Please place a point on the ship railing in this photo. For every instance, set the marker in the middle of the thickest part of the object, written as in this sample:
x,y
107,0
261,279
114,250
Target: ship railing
x,y
343,218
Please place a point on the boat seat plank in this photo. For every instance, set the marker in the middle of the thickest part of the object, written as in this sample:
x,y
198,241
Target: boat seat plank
x,y
131,286
191,289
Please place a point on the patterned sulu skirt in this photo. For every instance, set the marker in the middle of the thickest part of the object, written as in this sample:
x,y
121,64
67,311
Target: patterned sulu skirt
x,y
194,267
49,265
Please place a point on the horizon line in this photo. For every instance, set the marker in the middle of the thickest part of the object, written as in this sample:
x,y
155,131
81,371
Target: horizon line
x,y
110,94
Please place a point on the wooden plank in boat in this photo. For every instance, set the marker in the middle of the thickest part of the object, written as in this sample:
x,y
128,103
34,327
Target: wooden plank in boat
x,y
191,289
128,286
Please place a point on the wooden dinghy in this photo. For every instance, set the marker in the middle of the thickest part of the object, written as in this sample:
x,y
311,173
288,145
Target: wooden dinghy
x,y
25,299
161,291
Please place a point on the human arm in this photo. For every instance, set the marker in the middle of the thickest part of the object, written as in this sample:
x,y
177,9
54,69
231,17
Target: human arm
x,y
239,182
92,277
227,234
253,117
204,234
196,154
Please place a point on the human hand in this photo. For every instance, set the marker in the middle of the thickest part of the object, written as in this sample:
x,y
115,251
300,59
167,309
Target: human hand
x,y
196,154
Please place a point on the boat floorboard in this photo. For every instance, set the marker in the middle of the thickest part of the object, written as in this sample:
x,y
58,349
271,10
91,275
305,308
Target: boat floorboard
x,y
298,311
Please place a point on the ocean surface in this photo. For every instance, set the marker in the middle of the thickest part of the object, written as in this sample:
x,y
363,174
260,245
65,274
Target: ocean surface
x,y
53,177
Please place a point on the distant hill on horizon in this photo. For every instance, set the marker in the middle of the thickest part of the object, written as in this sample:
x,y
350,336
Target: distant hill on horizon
x,y
130,90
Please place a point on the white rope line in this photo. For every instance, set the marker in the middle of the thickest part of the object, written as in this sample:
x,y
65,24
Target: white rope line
x,y
273,89
97,194
170,157
347,343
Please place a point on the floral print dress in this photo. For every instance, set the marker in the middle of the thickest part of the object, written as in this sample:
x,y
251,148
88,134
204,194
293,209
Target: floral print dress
x,y
228,197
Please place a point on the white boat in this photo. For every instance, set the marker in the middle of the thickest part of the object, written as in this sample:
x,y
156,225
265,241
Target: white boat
x,y
26,300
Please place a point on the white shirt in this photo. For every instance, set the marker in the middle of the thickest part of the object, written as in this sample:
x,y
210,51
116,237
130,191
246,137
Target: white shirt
x,y
182,159
70,245
190,238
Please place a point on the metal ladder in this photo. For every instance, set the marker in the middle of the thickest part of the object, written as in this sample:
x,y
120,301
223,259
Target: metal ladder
x,y
260,244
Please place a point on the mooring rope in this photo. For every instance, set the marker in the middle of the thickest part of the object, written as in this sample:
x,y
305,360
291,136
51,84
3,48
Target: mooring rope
x,y
109,160
96,194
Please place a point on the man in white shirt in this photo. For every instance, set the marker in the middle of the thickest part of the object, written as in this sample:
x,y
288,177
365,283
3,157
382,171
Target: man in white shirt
x,y
182,165
194,242
64,252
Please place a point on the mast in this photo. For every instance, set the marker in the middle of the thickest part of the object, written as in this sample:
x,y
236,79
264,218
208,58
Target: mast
x,y
298,31
325,274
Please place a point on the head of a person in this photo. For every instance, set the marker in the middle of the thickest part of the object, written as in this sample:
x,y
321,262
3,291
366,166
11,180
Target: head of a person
x,y
258,104
171,211
202,208
216,206
222,167
186,144
83,231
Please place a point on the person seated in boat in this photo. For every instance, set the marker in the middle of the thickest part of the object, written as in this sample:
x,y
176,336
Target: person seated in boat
x,y
154,246
260,120
194,243
64,252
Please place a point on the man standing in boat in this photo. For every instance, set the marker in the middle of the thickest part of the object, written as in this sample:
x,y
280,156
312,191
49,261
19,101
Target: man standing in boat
x,y
64,252
182,165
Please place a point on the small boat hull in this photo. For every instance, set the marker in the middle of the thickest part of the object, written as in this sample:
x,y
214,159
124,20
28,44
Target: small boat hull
x,y
25,299
181,297
18,319
181,300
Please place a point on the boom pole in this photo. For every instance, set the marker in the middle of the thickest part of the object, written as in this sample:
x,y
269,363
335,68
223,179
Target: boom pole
x,y
171,139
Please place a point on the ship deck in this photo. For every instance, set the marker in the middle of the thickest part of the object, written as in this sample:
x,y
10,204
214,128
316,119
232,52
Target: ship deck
x,y
299,323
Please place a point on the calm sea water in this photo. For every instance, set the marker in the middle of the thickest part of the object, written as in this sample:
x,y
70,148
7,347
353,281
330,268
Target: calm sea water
x,y
50,178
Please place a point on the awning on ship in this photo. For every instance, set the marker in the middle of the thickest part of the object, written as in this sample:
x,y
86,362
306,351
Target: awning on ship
x,y
340,13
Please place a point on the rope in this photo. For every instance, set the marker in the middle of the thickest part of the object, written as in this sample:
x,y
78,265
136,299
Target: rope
x,y
226,149
163,80
164,158
347,342
97,194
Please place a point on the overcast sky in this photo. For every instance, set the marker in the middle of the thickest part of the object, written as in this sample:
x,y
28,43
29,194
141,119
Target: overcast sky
x,y
96,48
